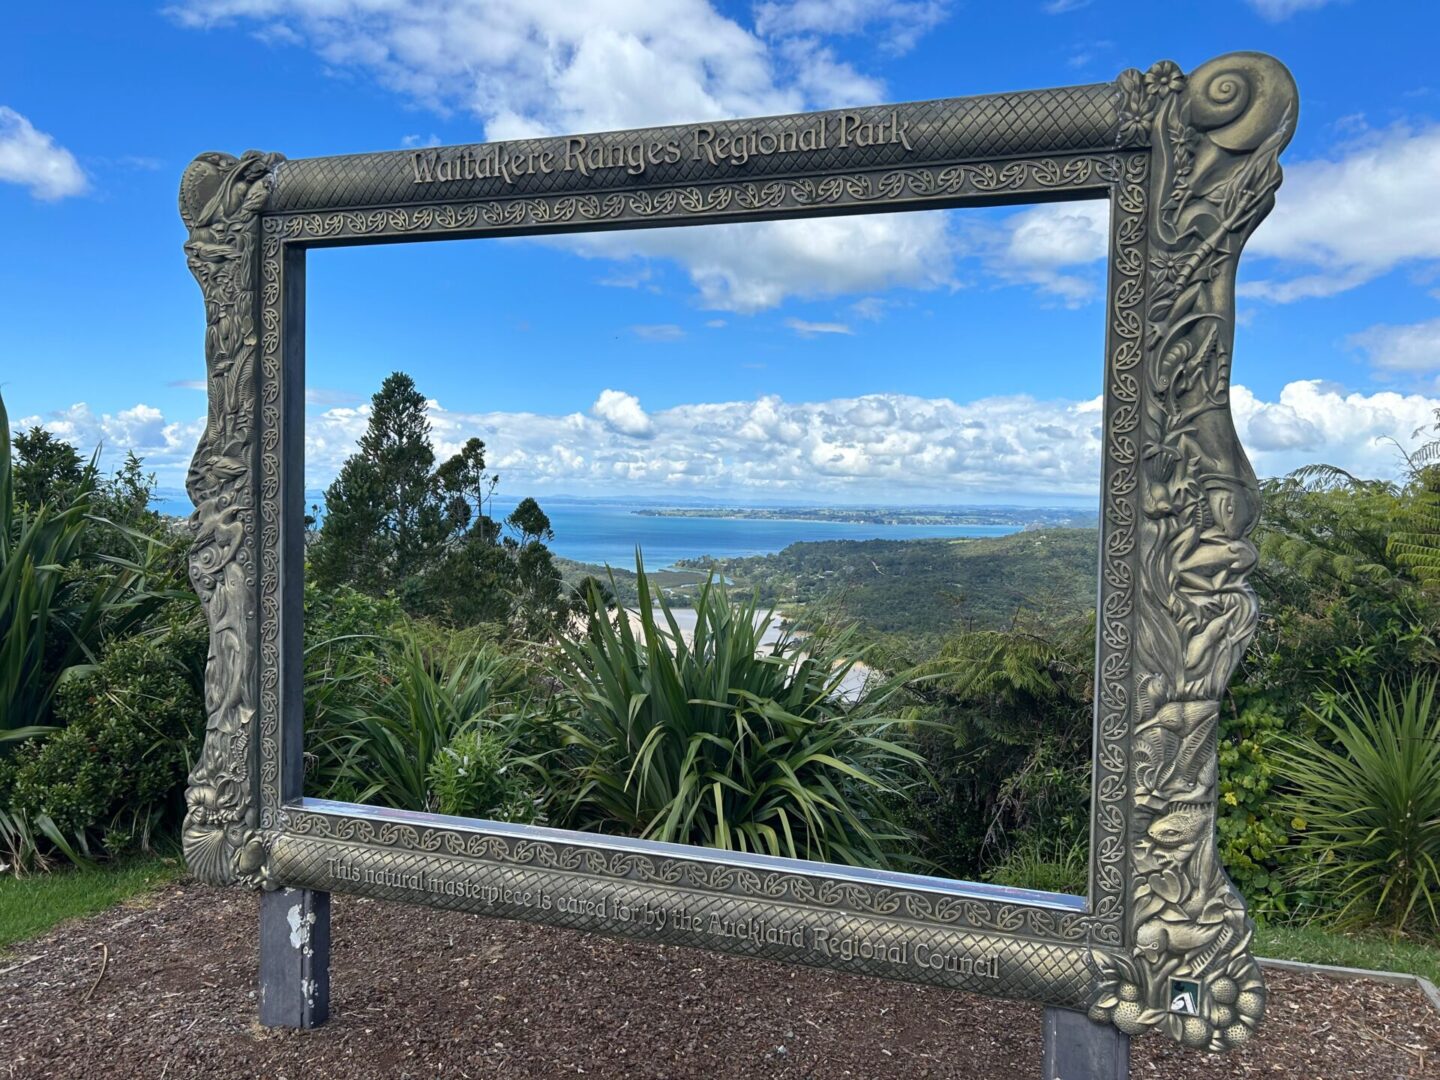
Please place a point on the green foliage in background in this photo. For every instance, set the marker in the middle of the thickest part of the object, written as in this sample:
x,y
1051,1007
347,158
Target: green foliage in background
x,y
1365,795
1008,738
1051,866
722,742
477,775
111,776
1415,540
920,592
68,578
1345,598
1250,821
410,701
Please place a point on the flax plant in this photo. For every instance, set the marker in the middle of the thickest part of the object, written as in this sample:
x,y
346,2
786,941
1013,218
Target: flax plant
x,y
726,742
1366,806
423,696
53,616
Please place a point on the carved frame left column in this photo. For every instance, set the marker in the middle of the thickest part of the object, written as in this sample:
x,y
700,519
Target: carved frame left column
x,y
251,674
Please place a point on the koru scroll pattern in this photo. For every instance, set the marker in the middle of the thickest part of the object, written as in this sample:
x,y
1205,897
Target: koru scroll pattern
x,y
1190,165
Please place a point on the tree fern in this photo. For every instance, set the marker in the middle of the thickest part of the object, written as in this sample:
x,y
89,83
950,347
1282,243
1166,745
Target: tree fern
x,y
1415,544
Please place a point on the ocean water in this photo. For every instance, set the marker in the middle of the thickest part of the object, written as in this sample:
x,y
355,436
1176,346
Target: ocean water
x,y
608,532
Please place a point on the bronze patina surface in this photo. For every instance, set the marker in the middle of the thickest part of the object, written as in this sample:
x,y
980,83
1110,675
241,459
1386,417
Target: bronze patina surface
x,y
1189,165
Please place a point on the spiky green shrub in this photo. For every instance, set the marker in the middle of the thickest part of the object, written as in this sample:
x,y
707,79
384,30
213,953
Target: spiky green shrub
x,y
408,705
1366,805
724,742
60,595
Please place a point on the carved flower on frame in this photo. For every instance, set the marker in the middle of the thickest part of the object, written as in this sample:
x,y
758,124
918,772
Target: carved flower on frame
x,y
1134,116
1134,128
1165,78
1132,85
1166,267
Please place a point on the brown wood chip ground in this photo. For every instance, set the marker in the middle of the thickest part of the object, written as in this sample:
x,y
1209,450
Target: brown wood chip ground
x,y
420,993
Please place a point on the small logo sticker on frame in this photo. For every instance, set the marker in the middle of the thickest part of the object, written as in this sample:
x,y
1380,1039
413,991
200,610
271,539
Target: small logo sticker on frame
x,y
1185,997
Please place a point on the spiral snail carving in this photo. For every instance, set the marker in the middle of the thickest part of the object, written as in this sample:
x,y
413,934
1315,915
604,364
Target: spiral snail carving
x,y
1215,140
1239,100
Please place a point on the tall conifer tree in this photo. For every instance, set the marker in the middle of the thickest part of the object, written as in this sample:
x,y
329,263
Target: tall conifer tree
x,y
383,519
395,523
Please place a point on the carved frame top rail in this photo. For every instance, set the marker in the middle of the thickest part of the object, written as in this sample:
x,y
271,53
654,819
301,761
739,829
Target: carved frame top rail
x,y
991,127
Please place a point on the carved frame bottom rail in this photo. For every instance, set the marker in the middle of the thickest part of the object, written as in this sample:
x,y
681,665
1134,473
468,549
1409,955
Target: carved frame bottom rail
x,y
662,893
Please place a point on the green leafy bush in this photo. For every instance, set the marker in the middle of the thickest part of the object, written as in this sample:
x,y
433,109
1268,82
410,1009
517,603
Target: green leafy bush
x,y
1366,803
477,775
59,594
1250,819
1007,737
722,742
114,771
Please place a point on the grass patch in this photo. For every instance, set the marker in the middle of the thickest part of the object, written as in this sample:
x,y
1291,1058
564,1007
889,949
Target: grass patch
x,y
1312,945
32,904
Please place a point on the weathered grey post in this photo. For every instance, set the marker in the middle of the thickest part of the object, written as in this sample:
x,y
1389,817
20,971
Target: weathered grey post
x,y
294,958
1077,1048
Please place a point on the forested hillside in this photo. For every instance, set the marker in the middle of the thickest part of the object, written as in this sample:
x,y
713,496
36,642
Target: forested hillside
x,y
922,590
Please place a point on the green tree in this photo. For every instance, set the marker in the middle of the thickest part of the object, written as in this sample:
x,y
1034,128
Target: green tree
x,y
396,524
46,469
69,578
1007,738
383,516
1343,587
1415,544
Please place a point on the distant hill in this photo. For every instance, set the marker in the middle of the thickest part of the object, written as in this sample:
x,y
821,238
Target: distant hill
x,y
920,590
679,586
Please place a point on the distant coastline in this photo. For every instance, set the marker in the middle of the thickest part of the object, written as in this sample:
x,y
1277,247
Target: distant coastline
x,y
1015,517
606,530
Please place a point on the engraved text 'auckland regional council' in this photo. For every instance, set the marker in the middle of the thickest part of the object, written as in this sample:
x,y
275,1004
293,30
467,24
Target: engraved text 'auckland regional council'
x,y
830,940
588,154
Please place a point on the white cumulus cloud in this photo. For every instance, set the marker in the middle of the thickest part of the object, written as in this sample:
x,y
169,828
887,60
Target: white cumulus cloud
x,y
621,412
35,160
165,445
522,68
1412,349
1049,245
874,447
1341,222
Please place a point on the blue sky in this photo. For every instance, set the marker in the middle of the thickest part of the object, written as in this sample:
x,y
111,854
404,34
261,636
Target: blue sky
x,y
778,361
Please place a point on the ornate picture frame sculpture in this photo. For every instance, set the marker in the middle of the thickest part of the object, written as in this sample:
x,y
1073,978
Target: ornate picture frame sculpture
x,y
1189,167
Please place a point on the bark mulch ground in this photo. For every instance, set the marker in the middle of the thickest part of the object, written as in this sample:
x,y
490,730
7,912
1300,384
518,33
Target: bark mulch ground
x,y
420,993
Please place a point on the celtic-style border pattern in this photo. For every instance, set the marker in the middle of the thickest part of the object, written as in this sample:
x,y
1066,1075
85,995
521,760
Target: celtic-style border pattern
x,y
1118,175
895,187
812,890
1190,169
